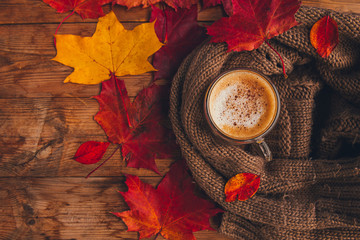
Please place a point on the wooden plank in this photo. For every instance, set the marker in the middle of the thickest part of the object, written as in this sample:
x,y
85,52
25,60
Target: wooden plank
x,y
350,6
55,159
67,208
36,11
44,133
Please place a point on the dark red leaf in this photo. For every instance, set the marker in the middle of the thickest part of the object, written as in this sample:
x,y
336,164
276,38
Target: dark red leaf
x,y
324,36
137,127
172,209
91,152
181,34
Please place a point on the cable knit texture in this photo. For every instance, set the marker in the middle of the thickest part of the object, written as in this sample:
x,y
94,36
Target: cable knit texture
x,y
311,189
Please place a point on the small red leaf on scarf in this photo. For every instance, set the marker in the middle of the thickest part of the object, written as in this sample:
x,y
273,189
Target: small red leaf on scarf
x,y
242,187
91,152
324,36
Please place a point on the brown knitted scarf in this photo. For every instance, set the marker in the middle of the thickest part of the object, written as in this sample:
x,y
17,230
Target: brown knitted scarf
x,y
311,189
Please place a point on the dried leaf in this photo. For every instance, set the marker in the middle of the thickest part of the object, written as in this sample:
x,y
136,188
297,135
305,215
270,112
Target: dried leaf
x,y
180,32
324,36
172,209
254,22
111,50
242,187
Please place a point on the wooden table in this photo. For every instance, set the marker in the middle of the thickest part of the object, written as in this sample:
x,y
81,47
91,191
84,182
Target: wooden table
x,y
43,192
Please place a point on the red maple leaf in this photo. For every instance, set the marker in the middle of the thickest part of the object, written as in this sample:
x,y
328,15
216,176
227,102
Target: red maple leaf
x,y
180,32
324,36
138,128
85,8
171,209
176,4
253,22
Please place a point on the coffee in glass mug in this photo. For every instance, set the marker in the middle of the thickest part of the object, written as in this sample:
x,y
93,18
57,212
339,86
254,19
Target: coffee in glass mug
x,y
242,106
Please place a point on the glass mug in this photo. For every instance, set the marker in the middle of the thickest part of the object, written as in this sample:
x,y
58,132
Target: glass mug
x,y
241,106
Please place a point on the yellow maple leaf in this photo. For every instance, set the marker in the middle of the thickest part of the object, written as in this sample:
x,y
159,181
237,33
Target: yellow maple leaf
x,y
111,50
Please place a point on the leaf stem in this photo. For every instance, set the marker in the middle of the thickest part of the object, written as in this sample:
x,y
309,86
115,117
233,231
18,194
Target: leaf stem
x,y
122,99
282,61
156,236
112,154
58,27
164,34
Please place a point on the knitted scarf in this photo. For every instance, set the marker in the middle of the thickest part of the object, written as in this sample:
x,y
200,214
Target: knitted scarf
x,y
311,188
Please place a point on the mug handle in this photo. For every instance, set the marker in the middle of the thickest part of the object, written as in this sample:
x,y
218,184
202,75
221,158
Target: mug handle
x,y
264,149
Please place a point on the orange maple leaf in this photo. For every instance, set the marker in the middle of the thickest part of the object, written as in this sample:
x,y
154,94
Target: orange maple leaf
x,y
241,187
111,50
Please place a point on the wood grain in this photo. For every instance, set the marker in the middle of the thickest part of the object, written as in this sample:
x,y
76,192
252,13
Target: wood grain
x,y
44,133
43,192
40,208
36,11
350,6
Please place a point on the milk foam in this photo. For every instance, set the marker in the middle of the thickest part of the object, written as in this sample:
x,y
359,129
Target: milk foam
x,y
238,106
242,104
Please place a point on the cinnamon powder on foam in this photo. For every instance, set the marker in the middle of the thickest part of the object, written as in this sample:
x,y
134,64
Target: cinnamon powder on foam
x,y
242,105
